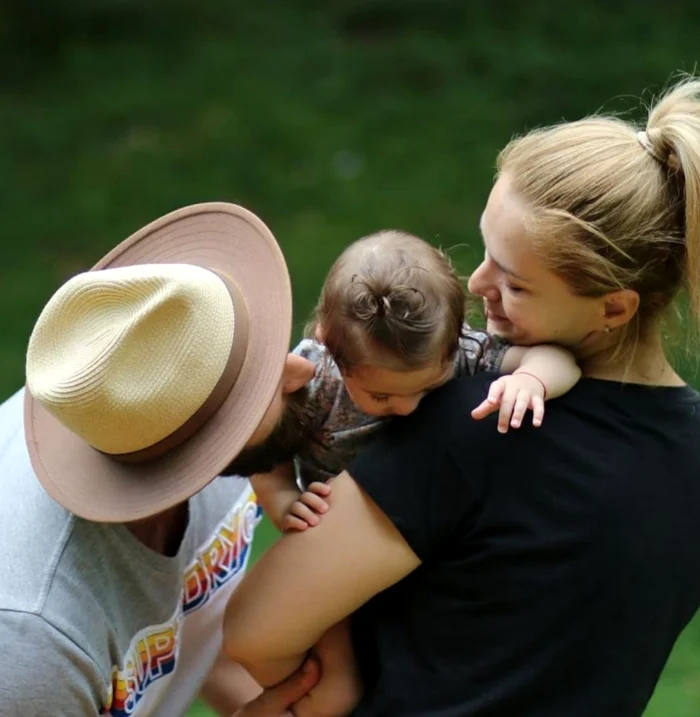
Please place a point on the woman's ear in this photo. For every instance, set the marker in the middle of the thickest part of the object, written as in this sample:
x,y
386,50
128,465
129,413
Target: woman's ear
x,y
620,308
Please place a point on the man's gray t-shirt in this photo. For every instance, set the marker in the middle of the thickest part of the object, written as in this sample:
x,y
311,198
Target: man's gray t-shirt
x,y
93,622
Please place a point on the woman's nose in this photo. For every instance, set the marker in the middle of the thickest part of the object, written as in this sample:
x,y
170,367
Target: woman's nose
x,y
477,281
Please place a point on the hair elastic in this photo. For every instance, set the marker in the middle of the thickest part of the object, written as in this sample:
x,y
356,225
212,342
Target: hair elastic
x,y
643,139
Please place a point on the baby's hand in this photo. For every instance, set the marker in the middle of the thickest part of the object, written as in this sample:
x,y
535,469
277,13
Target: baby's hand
x,y
512,396
306,512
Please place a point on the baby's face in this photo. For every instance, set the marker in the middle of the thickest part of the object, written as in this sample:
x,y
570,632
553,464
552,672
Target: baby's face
x,y
381,392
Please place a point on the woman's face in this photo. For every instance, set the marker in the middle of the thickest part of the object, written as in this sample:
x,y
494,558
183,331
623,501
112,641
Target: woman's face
x,y
525,302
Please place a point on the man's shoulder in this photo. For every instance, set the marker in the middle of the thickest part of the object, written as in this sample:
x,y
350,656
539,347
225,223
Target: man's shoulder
x,y
34,649
33,527
11,420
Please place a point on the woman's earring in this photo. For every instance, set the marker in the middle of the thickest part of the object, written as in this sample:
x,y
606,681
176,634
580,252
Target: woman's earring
x,y
607,329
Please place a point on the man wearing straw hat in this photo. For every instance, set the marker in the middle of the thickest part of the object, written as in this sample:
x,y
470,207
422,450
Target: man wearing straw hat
x,y
147,377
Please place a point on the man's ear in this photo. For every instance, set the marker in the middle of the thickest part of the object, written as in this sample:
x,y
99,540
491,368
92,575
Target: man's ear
x,y
620,308
298,371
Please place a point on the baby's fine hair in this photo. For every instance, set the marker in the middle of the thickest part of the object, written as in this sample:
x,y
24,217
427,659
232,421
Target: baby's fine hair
x,y
390,300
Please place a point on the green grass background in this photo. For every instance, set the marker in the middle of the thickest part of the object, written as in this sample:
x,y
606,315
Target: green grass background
x,y
330,120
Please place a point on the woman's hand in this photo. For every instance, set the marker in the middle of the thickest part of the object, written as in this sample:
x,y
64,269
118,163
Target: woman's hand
x,y
276,701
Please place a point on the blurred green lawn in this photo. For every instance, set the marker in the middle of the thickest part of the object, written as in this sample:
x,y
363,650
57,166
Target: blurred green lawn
x,y
329,120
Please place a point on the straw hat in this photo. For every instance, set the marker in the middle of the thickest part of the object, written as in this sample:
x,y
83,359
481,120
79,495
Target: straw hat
x,y
148,374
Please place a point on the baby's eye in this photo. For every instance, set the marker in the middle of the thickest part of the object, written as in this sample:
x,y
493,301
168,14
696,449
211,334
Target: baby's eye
x,y
379,398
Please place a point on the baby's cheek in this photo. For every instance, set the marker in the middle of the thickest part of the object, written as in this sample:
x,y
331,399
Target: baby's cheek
x,y
366,404
371,408
378,412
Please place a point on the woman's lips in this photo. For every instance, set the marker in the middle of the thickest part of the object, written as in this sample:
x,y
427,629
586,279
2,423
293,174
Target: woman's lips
x,y
493,316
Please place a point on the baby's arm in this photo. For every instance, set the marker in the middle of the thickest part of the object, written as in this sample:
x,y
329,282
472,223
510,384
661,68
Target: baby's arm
x,y
553,366
276,491
287,506
536,373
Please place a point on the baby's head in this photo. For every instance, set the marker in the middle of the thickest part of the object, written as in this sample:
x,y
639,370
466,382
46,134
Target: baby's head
x,y
390,313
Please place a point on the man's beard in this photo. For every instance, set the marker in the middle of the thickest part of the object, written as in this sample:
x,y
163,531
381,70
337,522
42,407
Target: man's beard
x,y
286,440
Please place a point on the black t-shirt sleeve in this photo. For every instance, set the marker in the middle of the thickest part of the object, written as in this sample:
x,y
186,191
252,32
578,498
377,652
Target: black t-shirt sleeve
x,y
426,470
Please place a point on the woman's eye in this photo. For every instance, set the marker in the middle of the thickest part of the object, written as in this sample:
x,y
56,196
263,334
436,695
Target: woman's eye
x,y
380,399
515,289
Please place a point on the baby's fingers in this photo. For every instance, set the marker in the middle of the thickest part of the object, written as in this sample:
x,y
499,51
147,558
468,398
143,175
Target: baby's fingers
x,y
508,402
522,403
291,522
492,401
315,502
537,403
319,488
302,511
485,408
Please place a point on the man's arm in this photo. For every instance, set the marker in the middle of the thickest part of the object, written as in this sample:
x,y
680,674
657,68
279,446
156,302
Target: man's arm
x,y
309,581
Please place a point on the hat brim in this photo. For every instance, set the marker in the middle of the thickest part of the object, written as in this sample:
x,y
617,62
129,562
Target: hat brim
x,y
225,238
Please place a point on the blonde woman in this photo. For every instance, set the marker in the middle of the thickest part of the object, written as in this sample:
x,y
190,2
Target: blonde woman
x,y
544,572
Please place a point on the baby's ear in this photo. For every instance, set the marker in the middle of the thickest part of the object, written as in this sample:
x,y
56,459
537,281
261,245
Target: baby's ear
x,y
319,334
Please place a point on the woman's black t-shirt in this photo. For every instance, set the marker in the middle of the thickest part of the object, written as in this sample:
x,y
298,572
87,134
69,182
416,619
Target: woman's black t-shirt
x,y
559,564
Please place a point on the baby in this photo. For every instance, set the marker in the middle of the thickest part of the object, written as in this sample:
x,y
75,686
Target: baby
x,y
388,328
